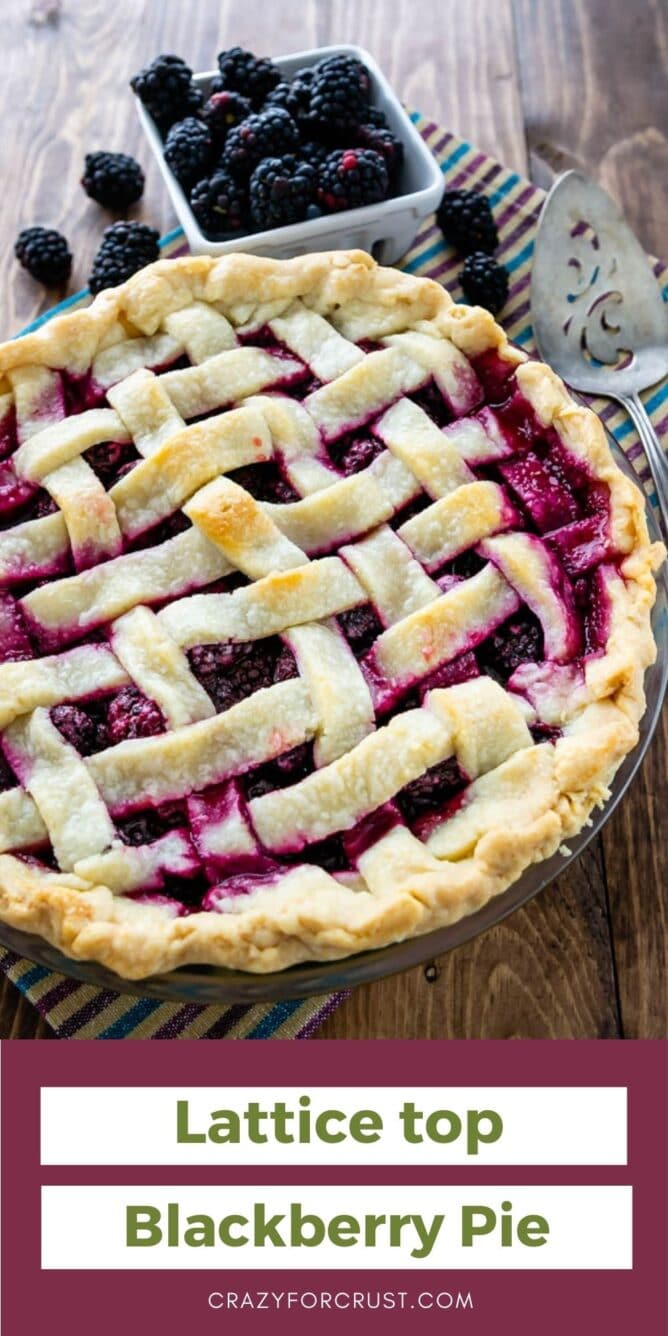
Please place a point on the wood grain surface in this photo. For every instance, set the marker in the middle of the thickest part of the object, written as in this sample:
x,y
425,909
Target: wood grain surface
x,y
542,85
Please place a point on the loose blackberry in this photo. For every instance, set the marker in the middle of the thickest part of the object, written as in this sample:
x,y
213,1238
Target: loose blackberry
x,y
220,204
242,72
113,180
352,178
267,134
222,112
382,141
467,222
45,254
189,150
339,94
281,190
485,283
166,89
125,248
294,97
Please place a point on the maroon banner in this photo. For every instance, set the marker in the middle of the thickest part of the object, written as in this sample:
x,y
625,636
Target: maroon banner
x,y
475,1302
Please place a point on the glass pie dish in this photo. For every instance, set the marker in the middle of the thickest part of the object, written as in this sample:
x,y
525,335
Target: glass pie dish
x,y
209,984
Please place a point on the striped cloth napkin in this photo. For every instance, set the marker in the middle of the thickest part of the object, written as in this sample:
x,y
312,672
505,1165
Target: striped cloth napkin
x,y
78,1011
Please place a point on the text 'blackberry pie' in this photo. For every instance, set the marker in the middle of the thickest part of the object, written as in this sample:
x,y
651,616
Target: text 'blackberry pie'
x,y
324,614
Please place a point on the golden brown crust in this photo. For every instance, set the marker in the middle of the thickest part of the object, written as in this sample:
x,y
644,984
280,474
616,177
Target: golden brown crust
x,y
412,890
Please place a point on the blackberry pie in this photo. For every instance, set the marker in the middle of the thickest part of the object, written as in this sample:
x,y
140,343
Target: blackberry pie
x,y
324,614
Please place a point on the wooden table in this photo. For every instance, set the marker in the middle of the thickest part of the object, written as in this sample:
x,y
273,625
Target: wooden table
x,y
543,86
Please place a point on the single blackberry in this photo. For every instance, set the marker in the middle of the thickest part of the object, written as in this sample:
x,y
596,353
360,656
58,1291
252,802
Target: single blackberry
x,y
339,94
267,134
294,97
113,180
467,222
166,89
189,151
132,715
281,190
125,248
242,72
45,254
484,281
352,178
220,204
382,141
222,112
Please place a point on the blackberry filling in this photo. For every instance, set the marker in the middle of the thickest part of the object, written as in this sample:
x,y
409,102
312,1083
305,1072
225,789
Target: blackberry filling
x,y
111,460
410,510
497,377
463,567
430,399
352,453
187,891
361,627
230,672
132,715
168,528
15,644
8,438
81,392
329,854
8,779
148,826
14,492
83,726
35,505
430,790
265,482
517,641
287,769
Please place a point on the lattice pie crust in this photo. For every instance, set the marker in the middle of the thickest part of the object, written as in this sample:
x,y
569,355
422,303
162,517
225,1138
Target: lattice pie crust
x,y
312,792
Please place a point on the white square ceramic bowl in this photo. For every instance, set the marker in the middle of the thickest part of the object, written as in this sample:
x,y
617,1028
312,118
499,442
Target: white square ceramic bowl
x,y
386,230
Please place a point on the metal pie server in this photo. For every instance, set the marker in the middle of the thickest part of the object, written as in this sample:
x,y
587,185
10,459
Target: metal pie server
x,y
597,310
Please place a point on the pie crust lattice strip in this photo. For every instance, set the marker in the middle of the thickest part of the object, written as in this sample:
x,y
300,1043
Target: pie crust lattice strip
x,y
324,614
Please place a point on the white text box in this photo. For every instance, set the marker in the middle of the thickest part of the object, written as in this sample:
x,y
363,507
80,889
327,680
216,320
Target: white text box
x,y
589,1228
579,1125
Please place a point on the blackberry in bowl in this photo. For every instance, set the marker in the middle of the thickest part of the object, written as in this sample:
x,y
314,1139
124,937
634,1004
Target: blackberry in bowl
x,y
310,106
